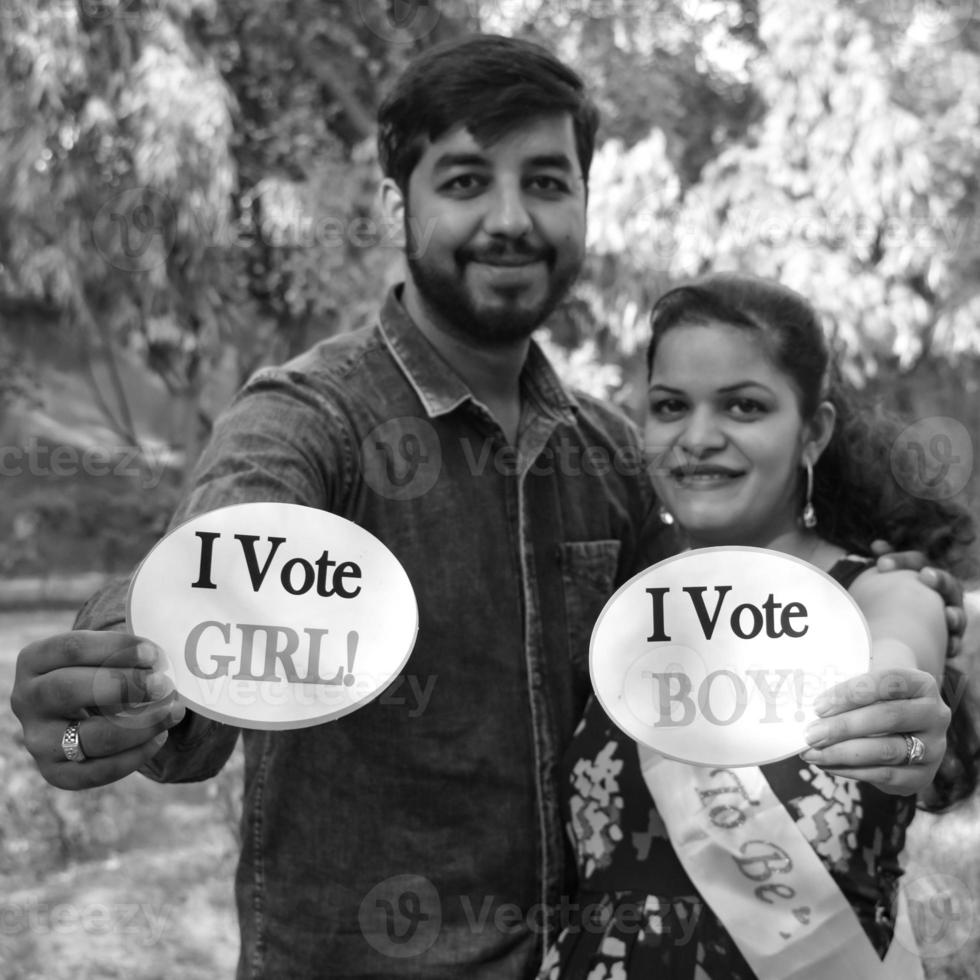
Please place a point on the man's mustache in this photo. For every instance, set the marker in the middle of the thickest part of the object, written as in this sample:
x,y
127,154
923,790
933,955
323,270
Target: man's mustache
x,y
512,254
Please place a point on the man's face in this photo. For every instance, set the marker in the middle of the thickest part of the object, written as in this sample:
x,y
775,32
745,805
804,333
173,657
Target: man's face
x,y
495,235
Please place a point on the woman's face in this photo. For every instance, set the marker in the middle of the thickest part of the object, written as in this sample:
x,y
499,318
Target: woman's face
x,y
725,429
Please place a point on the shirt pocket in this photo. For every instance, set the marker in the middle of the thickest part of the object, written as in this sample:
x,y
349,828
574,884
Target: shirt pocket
x,y
588,572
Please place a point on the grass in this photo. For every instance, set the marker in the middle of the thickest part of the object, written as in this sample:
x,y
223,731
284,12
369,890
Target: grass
x,y
134,880
131,880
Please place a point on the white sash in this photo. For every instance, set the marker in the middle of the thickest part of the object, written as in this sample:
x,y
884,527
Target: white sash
x,y
753,866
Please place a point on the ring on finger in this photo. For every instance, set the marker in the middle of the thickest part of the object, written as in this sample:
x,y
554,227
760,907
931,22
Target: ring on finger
x,y
915,749
71,745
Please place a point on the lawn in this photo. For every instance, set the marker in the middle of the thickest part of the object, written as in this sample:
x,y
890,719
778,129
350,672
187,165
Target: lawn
x,y
135,880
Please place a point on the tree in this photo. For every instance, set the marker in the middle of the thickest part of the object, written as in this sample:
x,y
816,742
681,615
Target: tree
x,y
191,182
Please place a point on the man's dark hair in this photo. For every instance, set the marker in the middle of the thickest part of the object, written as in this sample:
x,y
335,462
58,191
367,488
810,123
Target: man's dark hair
x,y
484,83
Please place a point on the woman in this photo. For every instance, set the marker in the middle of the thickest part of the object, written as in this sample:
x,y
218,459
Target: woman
x,y
760,446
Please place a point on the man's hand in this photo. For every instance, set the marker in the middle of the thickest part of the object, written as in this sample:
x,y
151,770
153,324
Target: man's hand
x,y
862,723
108,683
948,586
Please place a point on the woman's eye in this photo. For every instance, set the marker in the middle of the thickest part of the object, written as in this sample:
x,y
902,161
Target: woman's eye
x,y
666,408
744,408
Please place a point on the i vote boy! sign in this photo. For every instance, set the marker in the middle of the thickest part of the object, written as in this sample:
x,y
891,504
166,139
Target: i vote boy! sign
x,y
715,656
275,615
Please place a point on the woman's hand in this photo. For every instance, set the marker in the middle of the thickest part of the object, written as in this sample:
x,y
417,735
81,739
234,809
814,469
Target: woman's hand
x,y
862,723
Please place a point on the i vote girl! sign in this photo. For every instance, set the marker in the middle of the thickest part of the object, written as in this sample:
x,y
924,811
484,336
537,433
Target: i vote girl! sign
x,y
275,615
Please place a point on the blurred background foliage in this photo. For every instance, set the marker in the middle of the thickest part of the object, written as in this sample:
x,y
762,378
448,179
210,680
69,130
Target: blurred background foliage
x,y
187,189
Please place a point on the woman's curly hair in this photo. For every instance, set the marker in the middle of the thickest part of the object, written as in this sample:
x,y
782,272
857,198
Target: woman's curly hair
x,y
860,480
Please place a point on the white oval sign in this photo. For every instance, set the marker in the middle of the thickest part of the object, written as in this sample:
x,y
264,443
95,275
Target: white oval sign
x,y
715,656
275,616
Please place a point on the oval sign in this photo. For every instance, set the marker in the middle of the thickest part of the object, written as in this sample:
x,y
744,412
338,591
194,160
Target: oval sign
x,y
715,656
275,615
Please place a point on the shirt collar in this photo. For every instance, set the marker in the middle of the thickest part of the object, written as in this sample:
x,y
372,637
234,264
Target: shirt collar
x,y
441,389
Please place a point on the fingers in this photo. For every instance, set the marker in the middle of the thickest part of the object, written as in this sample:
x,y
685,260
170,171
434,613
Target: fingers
x,y
892,560
86,648
113,684
104,735
114,746
882,762
70,675
948,586
100,772
956,627
885,718
74,692
892,684
859,731
885,750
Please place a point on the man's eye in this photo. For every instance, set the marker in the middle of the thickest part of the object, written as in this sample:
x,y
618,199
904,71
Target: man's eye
x,y
549,184
463,184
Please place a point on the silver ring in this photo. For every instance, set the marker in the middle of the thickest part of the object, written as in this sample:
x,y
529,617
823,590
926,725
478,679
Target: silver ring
x,y
915,749
70,744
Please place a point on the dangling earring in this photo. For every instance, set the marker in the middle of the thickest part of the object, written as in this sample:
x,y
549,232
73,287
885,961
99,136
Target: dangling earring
x,y
666,517
809,516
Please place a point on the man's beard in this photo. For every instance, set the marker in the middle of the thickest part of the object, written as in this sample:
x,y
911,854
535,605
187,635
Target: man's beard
x,y
446,293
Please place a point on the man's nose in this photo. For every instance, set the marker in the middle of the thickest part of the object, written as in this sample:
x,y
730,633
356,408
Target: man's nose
x,y
507,213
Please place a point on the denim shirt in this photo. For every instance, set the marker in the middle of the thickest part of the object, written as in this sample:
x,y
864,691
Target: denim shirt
x,y
420,836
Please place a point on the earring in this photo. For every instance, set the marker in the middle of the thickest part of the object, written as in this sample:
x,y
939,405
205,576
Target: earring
x,y
809,516
666,517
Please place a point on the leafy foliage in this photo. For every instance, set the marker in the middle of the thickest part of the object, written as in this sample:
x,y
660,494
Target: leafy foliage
x,y
194,181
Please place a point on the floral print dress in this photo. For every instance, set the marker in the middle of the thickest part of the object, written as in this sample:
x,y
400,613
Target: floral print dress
x,y
637,914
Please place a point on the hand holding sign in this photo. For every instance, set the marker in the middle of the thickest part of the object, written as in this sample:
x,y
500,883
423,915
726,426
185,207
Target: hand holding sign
x,y
275,615
716,656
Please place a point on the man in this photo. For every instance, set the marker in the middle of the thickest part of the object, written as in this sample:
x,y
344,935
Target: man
x,y
394,842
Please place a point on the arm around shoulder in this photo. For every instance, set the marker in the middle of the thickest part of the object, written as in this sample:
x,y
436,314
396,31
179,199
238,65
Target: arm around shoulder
x,y
906,620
